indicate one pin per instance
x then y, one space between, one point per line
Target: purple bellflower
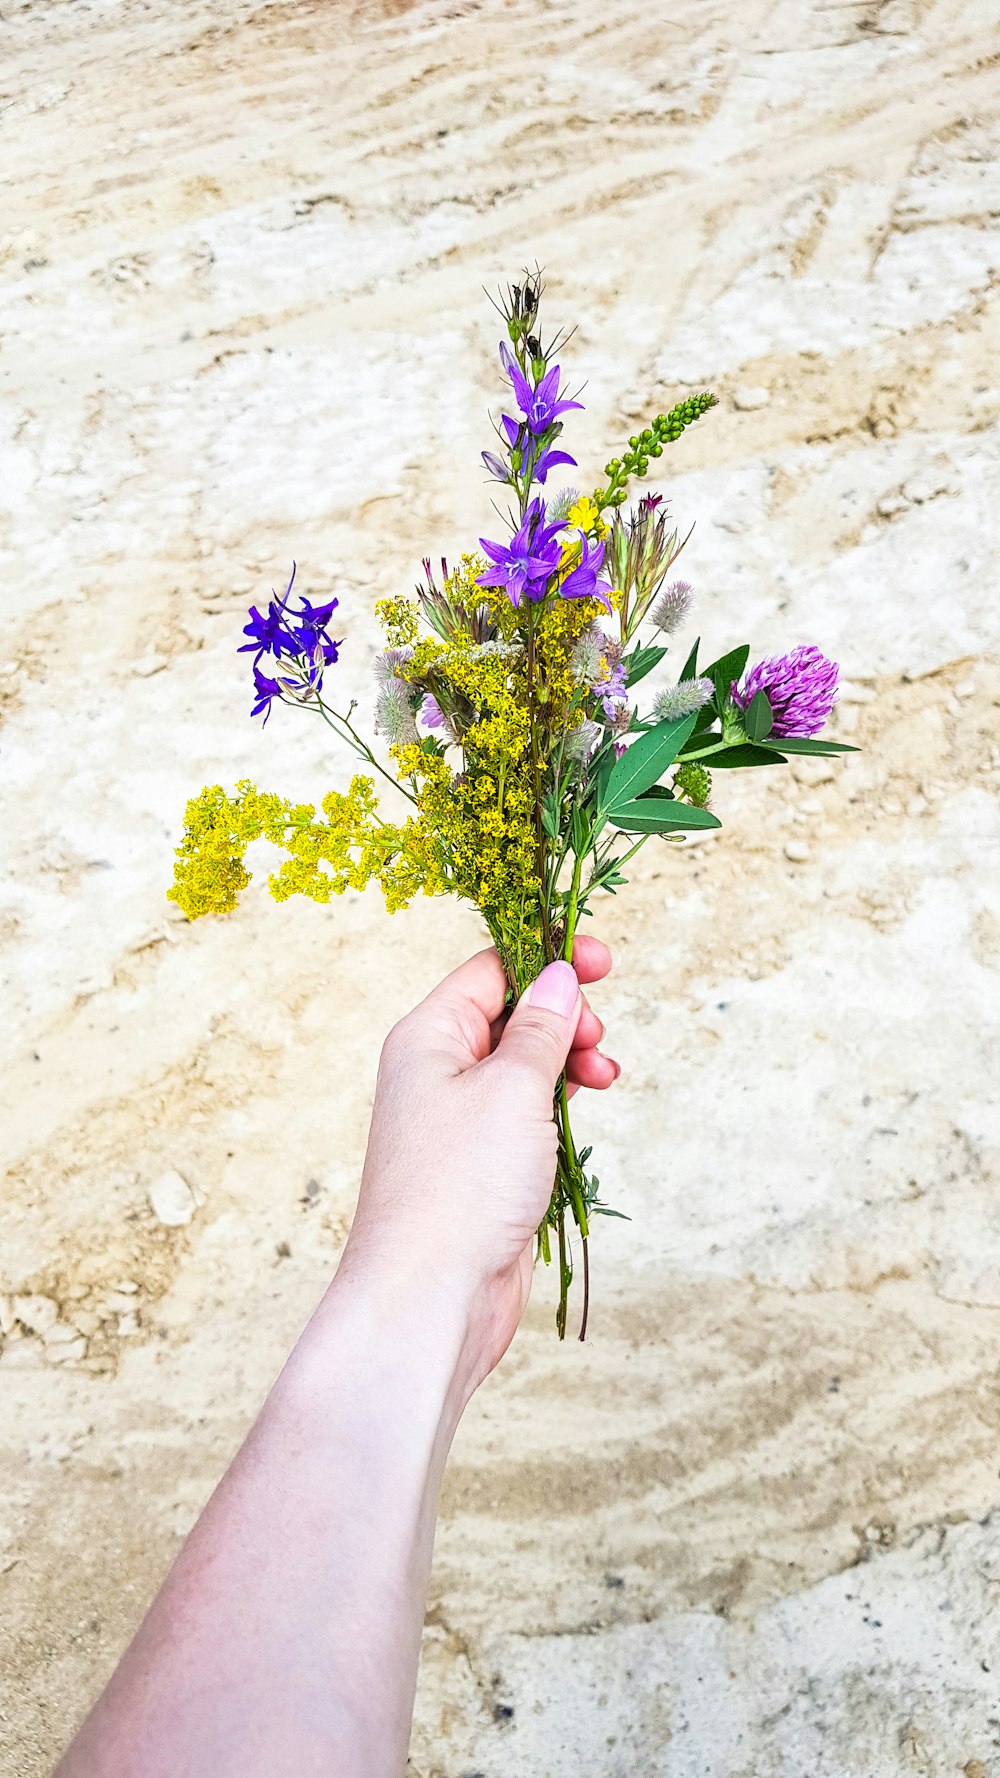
801 689
550 459
525 565
541 405
582 581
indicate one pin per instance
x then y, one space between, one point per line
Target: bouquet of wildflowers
506 702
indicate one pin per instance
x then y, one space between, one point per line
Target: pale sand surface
746 1531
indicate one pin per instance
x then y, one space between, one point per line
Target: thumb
540 1030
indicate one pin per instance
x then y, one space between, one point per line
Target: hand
462 1152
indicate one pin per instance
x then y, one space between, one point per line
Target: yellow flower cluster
586 515
346 850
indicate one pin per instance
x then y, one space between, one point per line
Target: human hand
462 1153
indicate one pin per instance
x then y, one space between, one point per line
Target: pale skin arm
286 1637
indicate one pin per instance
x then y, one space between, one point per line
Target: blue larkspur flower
265 692
300 637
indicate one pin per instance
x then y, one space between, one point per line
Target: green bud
656 450
695 782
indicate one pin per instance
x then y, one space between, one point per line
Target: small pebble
20 1354
127 1326
171 1200
36 1313
891 504
59 1334
749 399
967 689
797 852
148 665
117 1304
67 1352
919 488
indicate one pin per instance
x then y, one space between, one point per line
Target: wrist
404 1333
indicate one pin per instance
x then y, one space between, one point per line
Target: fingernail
556 989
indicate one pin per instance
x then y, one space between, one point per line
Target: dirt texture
752 1528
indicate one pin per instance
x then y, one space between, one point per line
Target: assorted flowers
530 766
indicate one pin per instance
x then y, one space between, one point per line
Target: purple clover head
801 688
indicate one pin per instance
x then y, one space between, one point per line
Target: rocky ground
752 1528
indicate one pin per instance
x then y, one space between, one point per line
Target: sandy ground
752 1528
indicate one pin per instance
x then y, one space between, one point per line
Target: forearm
287 1635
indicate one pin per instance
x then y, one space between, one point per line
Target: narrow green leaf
645 761
690 667
759 718
805 744
743 753
653 814
642 661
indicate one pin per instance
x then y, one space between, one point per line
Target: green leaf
655 814
723 672
642 661
645 761
690 668
804 744
759 718
743 753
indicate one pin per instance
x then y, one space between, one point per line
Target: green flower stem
353 739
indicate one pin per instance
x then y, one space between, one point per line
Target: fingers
591 959
589 1031
588 1068
541 1028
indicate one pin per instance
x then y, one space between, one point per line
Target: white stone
36 1313
127 1326
67 1352
748 399
927 486
59 1334
171 1200
117 1303
797 852
86 1321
